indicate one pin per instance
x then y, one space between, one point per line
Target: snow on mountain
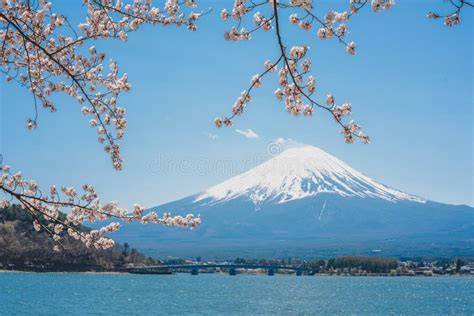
298 173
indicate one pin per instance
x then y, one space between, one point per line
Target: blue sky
410 85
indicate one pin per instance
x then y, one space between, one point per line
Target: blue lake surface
221 294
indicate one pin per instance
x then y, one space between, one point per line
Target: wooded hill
22 248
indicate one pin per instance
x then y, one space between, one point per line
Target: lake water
88 294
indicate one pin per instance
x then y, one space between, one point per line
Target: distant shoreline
242 273
63 272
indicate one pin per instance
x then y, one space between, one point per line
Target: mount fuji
300 173
306 202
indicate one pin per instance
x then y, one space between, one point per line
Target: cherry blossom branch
349 130
453 18
38 53
245 96
81 208
294 66
78 84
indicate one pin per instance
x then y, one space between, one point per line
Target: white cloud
285 143
248 133
212 136
281 144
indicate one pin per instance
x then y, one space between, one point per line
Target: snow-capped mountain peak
298 173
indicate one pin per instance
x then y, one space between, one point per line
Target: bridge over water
231 268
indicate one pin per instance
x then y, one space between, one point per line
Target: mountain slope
305 201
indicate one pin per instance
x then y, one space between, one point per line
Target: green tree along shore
22 248
370 264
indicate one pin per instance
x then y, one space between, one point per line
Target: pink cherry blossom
81 208
48 59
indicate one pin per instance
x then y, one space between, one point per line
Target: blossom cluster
292 88
81 207
112 18
379 5
42 52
